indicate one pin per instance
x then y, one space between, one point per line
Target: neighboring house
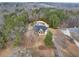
40 27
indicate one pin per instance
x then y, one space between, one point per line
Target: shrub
53 16
3 40
11 21
17 39
48 40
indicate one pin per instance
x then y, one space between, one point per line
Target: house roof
40 25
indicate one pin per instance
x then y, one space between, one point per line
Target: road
64 46
58 42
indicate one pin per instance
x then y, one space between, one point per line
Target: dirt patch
5 52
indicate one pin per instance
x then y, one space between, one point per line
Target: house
41 27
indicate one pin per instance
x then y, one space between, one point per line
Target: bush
53 16
54 21
3 40
11 21
17 39
48 40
